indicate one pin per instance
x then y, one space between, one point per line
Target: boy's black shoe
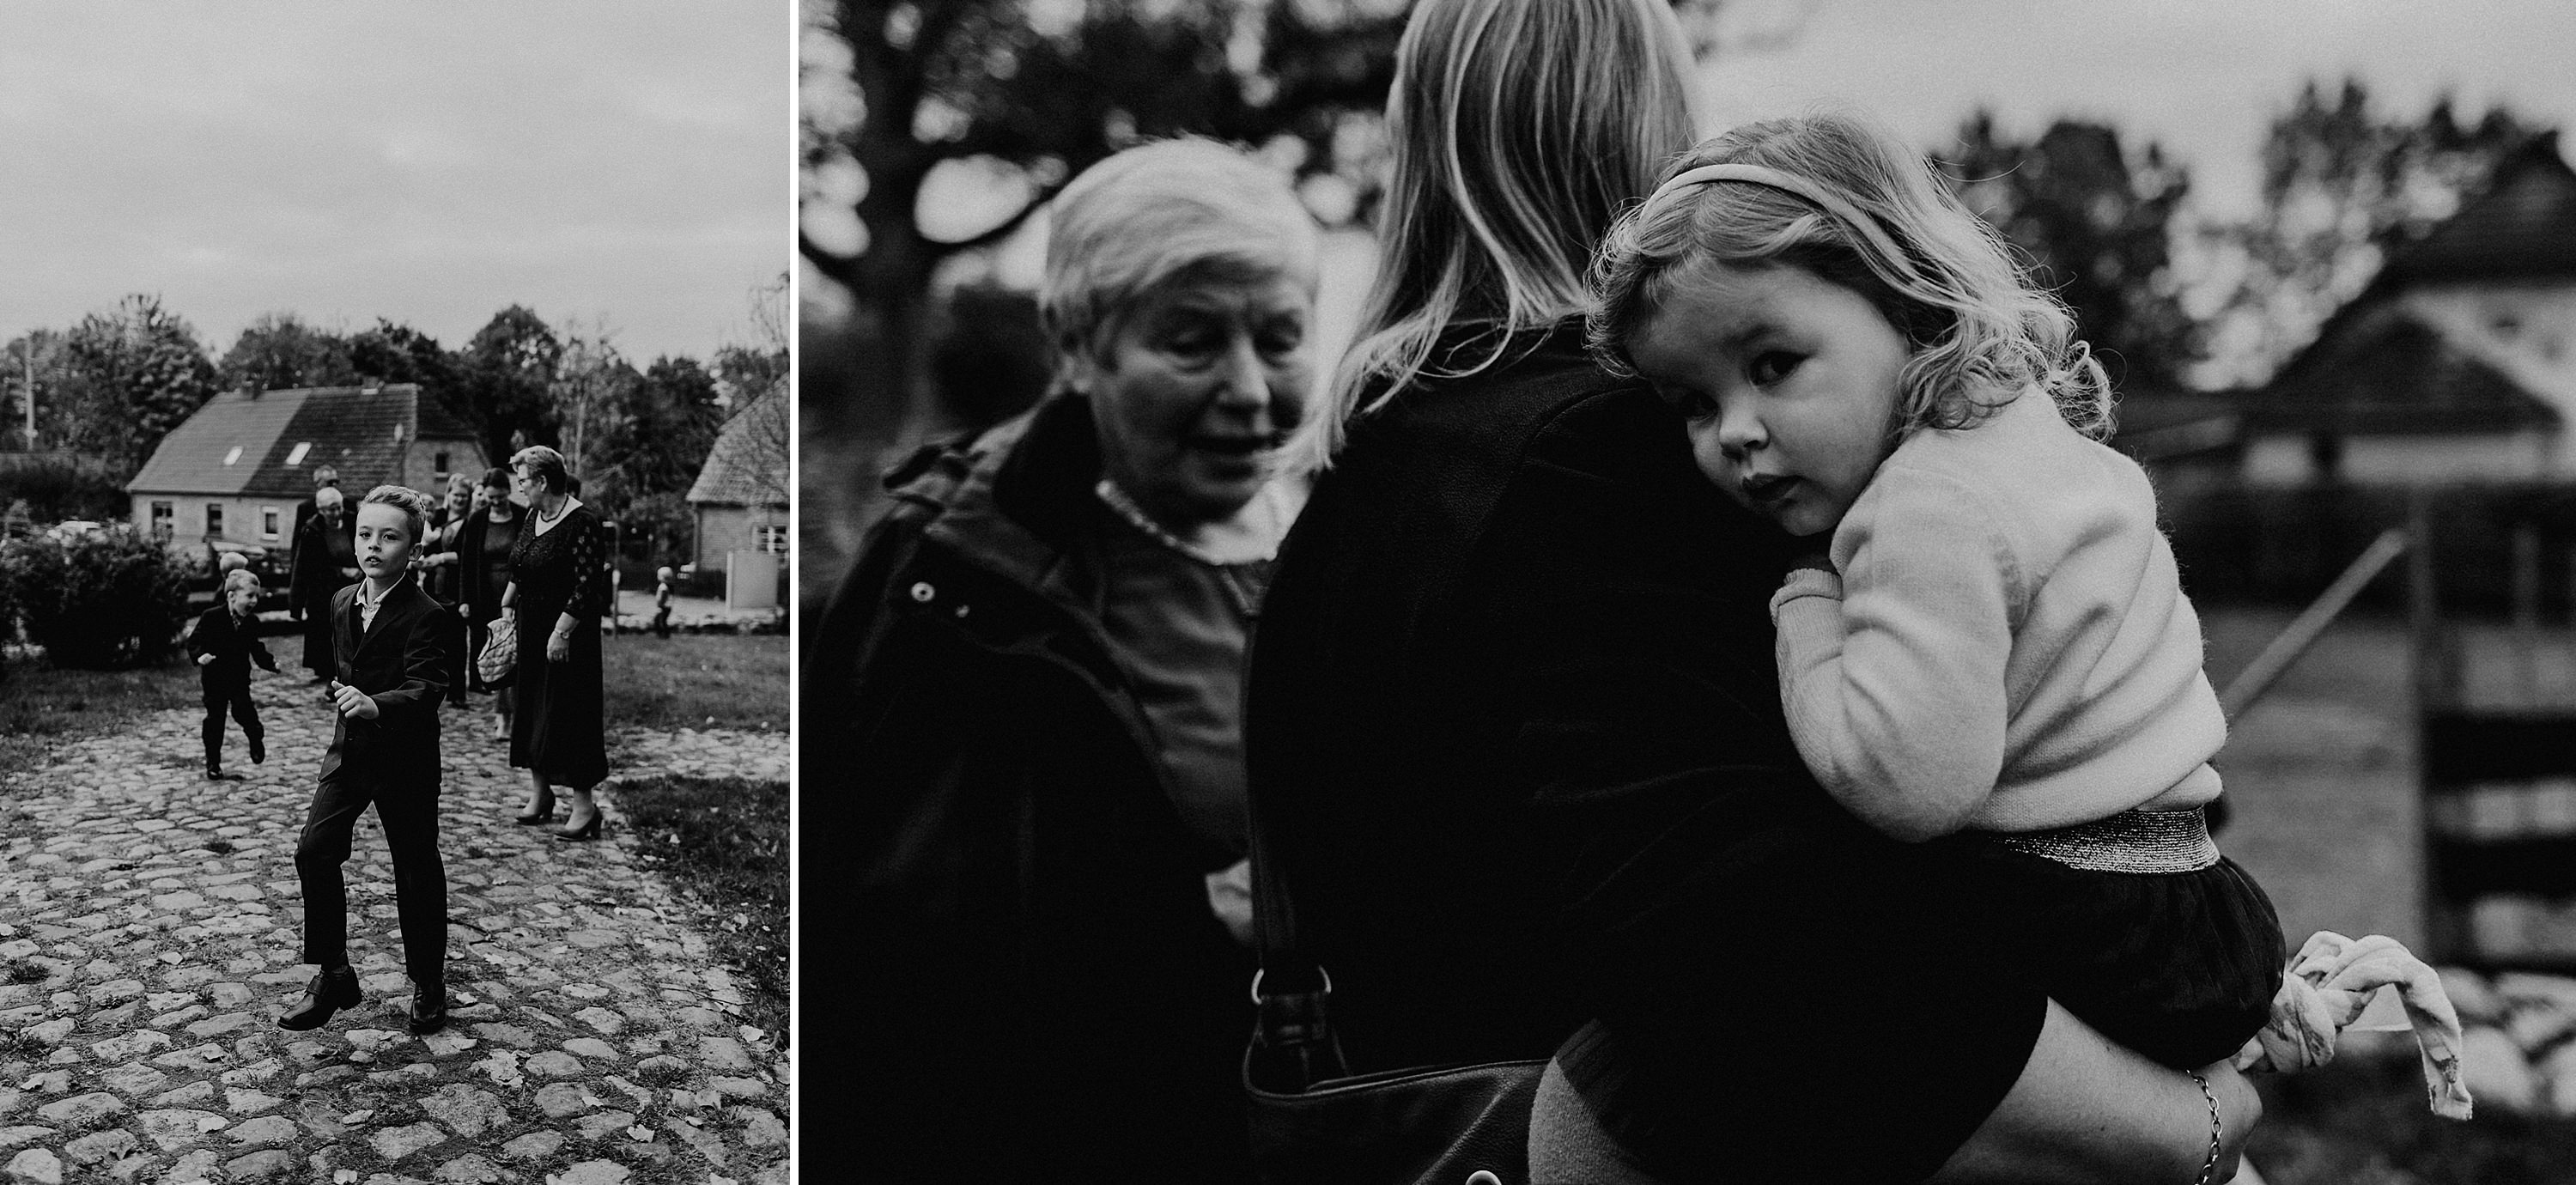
330 991
428 1006
258 751
214 771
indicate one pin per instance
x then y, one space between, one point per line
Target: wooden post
2526 614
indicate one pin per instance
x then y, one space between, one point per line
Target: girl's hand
352 702
558 647
205 659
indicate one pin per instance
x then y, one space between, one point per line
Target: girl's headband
1795 186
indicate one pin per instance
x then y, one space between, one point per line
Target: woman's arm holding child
1892 674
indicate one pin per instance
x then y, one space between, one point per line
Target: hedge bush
106 600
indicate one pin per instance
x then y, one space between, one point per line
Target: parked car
205 568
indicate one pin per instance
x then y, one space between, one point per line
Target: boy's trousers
410 818
238 699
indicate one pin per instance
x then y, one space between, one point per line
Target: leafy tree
111 599
135 373
278 351
2096 222
2342 186
392 353
670 425
590 398
502 379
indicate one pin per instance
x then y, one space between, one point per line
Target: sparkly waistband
2131 841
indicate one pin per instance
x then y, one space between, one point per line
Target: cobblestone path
148 938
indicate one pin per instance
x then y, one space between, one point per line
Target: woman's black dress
560 728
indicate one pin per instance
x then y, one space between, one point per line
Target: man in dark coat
224 643
324 562
390 666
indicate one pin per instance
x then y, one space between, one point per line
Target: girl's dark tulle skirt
2179 966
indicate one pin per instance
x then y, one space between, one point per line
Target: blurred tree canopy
2342 185
2096 222
279 352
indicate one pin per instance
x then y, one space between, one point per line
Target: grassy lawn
696 680
724 842
41 707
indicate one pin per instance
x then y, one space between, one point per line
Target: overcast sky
2202 77
431 163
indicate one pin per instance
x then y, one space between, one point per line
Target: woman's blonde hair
1138 219
1519 127
1978 329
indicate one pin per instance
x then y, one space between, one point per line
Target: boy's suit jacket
400 661
234 646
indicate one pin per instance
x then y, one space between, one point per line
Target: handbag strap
1293 1043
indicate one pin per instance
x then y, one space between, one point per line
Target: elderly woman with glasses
557 593
1031 812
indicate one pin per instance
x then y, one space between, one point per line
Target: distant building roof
2392 375
748 465
267 444
2523 225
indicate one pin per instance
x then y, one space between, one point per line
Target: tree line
107 389
1022 97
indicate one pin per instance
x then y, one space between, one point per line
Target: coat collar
1019 505
396 600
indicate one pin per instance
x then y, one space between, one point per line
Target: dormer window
296 457
232 456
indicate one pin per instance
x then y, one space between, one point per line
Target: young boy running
224 643
389 663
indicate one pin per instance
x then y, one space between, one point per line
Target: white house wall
242 518
2414 460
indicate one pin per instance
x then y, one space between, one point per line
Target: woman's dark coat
1036 988
1514 733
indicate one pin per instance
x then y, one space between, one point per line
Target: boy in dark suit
390 660
224 643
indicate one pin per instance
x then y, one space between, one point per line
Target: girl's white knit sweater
2007 646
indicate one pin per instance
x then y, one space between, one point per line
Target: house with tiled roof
2457 362
236 469
740 495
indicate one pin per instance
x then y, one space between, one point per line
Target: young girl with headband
1993 650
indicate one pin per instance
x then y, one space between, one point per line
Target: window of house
161 514
438 462
773 538
214 518
268 522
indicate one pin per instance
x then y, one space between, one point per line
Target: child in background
224 643
389 667
662 602
1995 645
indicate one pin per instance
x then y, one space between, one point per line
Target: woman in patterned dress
557 593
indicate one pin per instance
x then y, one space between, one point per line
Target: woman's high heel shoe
544 816
589 830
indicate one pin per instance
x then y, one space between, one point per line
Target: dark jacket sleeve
259 652
589 599
1752 941
200 635
300 583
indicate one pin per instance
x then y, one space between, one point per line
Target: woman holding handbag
1033 804
1517 765
483 563
558 592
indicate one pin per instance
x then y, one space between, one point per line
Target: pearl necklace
1116 499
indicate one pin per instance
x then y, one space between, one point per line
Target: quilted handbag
500 655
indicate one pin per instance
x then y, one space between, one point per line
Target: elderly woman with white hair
1031 817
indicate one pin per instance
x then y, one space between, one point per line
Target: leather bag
1316 1123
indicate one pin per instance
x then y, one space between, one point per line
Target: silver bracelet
2208 1168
